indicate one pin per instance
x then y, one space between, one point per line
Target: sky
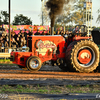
32 9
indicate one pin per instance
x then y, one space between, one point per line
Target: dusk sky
32 9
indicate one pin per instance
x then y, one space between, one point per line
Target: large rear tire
82 56
33 63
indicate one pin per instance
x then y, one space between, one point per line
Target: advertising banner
17 28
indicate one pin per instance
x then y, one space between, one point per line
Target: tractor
73 52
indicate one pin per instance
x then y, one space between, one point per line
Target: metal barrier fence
4 52
6 49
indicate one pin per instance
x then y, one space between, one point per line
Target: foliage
50 89
5 62
22 20
4 17
98 19
78 13
44 14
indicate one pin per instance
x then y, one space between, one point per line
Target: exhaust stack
52 30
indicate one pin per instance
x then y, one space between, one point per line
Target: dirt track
46 72
26 75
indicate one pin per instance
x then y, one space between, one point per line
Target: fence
4 52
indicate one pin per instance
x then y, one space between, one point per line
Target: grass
69 86
50 89
5 61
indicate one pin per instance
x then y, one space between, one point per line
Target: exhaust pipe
52 30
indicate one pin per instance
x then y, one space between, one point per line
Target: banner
27 27
17 28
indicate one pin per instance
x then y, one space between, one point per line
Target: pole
88 20
91 16
9 28
42 12
83 16
86 13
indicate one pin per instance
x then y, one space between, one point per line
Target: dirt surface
43 68
19 76
48 75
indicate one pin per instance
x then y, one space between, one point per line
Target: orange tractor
74 52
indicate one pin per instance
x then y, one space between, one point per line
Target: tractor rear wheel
82 56
33 63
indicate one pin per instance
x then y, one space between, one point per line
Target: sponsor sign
43 46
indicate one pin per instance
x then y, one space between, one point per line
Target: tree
78 16
44 15
98 19
75 14
22 20
79 12
4 17
0 21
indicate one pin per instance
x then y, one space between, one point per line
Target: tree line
18 19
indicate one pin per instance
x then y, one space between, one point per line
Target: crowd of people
20 39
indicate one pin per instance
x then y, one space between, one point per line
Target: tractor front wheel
33 63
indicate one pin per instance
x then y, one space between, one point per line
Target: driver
77 29
80 30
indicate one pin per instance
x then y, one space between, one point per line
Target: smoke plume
55 7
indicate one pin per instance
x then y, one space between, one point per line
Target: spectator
7 34
58 32
23 42
66 32
48 33
7 42
4 33
44 32
37 33
4 38
18 41
2 45
20 33
62 32
13 35
25 34
19 36
14 43
30 33
13 32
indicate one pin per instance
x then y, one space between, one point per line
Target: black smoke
55 7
